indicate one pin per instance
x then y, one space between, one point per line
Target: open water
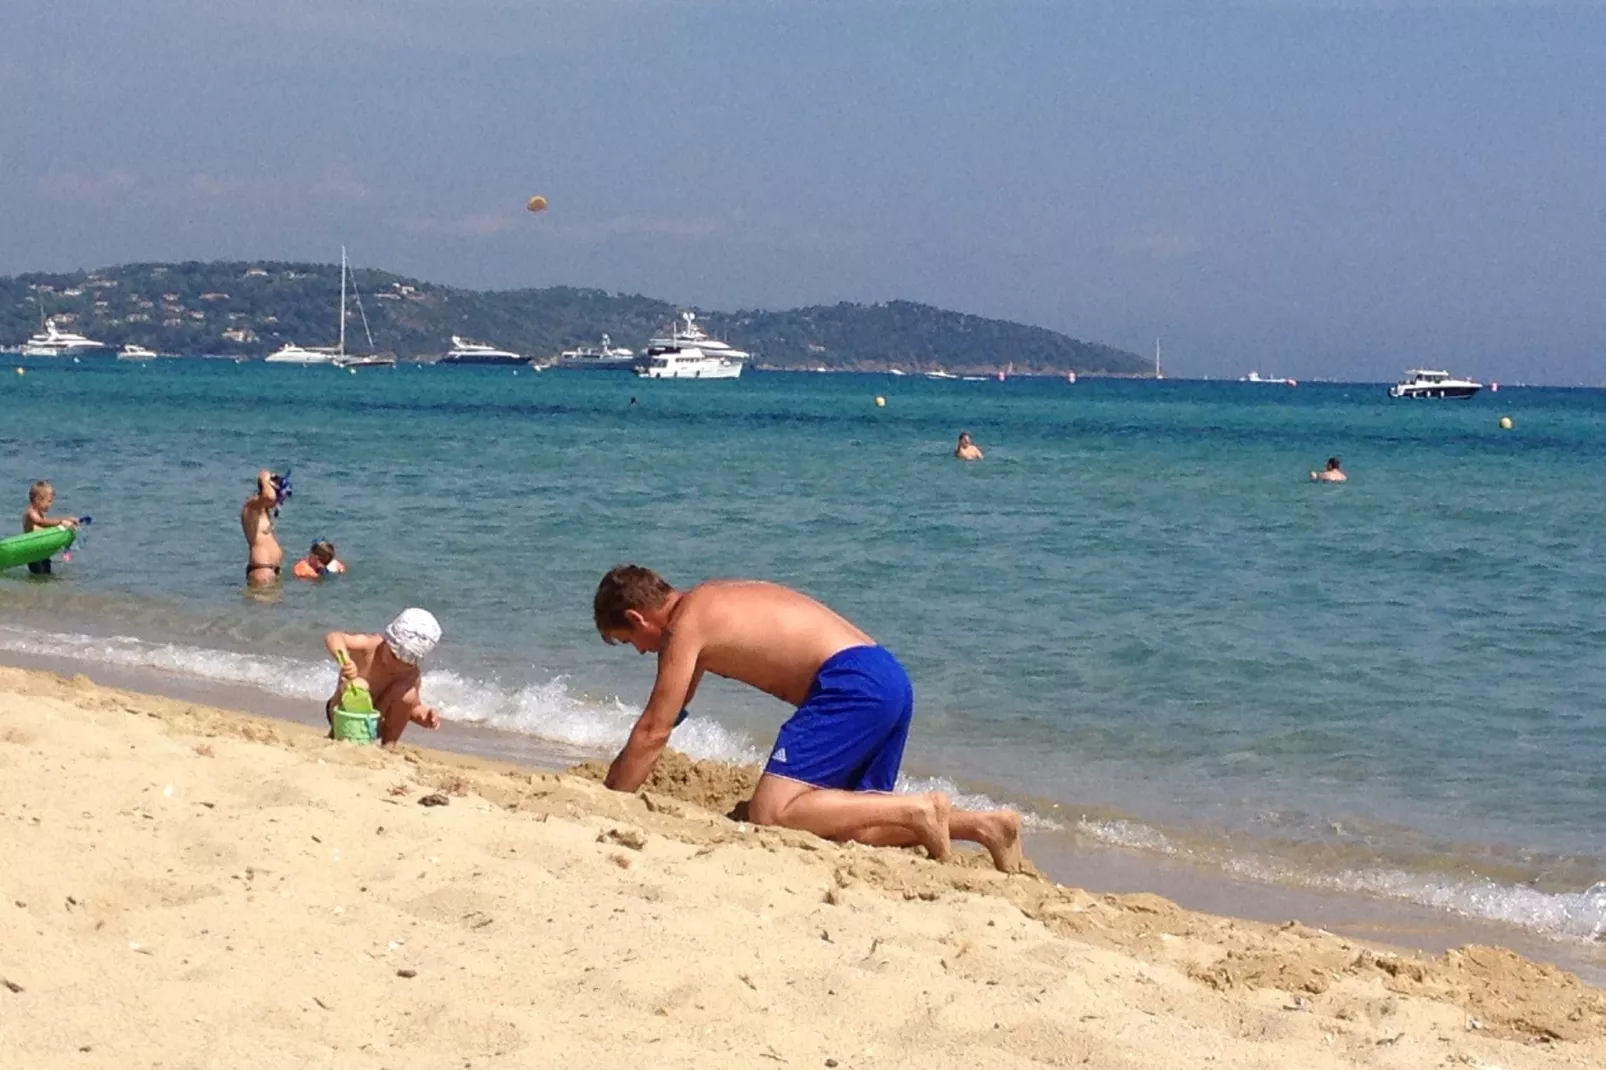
1136 618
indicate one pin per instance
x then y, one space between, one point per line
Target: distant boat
367 360
54 342
1421 383
1256 377
465 352
1157 374
606 357
689 353
940 374
135 352
290 353
1070 377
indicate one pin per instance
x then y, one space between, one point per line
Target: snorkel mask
281 489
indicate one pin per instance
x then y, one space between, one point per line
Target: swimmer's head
964 438
323 552
41 494
1332 464
412 635
624 606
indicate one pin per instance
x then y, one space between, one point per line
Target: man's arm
677 678
267 495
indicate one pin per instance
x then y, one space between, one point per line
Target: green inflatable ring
34 546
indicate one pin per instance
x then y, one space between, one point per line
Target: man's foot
932 824
999 832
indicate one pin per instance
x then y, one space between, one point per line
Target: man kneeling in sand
389 663
835 761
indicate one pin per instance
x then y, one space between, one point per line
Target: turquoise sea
1136 618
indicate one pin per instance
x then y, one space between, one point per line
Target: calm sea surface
1136 618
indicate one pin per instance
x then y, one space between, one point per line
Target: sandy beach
182 886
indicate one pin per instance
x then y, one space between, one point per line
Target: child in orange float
319 562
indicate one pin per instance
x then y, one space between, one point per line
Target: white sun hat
413 634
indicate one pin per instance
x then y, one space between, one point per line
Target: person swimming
1331 474
967 450
319 562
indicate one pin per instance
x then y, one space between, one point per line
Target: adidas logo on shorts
779 755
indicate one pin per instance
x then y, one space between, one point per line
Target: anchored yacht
689 353
1256 377
466 352
290 353
607 357
1421 383
136 352
54 342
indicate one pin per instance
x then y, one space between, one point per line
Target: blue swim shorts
850 731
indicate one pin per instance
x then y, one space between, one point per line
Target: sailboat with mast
1157 372
291 353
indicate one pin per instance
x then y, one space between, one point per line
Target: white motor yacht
1256 377
689 353
606 357
290 353
466 352
136 352
54 342
1422 383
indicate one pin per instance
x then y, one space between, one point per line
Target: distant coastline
248 309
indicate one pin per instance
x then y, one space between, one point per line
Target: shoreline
1067 855
189 884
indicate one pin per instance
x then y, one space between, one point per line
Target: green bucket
355 727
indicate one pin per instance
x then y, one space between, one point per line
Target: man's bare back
762 634
834 766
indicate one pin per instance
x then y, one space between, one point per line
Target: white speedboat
464 351
606 357
1256 377
136 352
689 353
941 374
1422 383
54 342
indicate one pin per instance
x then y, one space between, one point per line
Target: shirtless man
1331 474
835 761
967 450
390 665
264 555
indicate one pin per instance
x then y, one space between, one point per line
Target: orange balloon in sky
537 204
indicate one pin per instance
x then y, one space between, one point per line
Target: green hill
250 309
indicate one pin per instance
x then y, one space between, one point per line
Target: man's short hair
627 587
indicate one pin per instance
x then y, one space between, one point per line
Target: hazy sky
1306 188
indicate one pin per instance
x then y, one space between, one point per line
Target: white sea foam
1562 915
275 675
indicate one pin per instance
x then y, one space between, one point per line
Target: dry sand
182 886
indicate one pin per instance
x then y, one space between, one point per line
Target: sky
1305 188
